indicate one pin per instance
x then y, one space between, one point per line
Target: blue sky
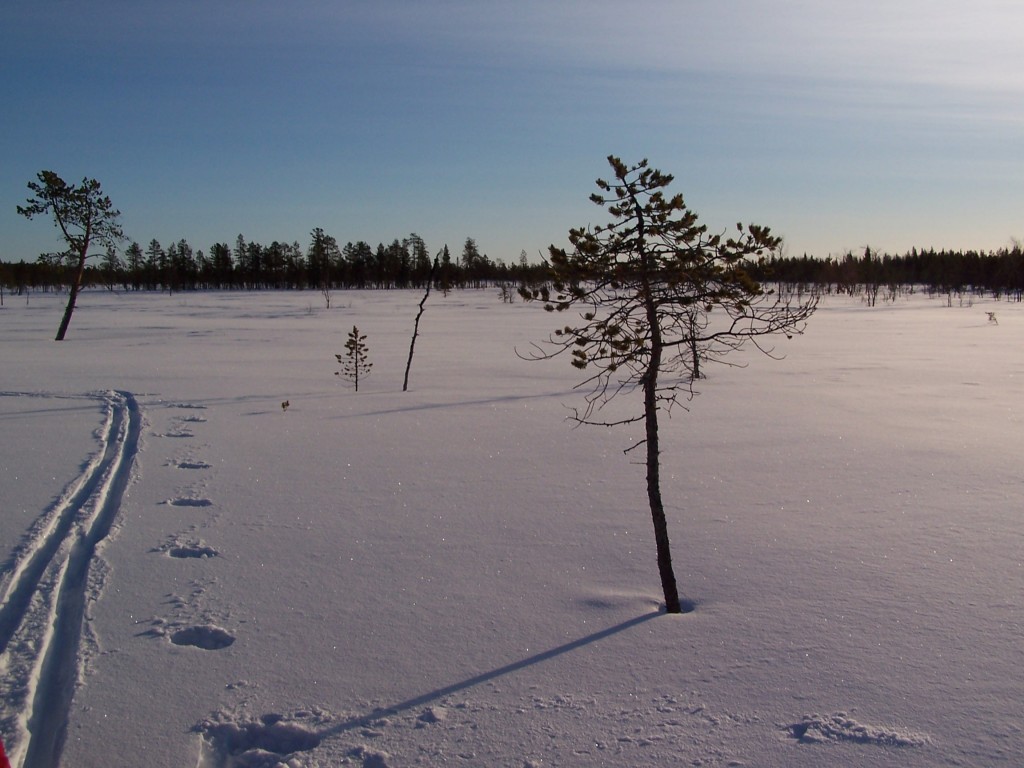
839 125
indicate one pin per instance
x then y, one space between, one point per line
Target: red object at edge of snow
4 763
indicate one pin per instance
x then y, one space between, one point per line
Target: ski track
44 596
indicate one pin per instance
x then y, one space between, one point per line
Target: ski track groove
43 601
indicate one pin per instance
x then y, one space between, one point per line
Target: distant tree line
248 265
407 263
997 273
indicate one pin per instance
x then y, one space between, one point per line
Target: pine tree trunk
694 348
68 310
668 578
72 298
650 382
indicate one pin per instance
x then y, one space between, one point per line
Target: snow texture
191 575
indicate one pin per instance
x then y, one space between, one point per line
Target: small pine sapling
354 363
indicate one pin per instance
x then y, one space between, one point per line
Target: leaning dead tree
416 325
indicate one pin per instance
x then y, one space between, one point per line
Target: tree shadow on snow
496 400
440 693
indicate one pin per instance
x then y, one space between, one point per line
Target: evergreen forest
324 266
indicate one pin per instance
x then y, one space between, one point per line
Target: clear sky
889 124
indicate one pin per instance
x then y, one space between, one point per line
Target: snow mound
433 715
372 758
816 729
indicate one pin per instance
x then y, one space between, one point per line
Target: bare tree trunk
416 326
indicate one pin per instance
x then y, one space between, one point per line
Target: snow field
455 575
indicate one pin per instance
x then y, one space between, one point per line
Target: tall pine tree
644 286
84 216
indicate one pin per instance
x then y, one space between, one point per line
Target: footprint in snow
189 502
192 465
252 742
205 636
177 547
176 433
190 551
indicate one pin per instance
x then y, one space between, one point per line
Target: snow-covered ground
455 576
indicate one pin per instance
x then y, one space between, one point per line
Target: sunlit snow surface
454 575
